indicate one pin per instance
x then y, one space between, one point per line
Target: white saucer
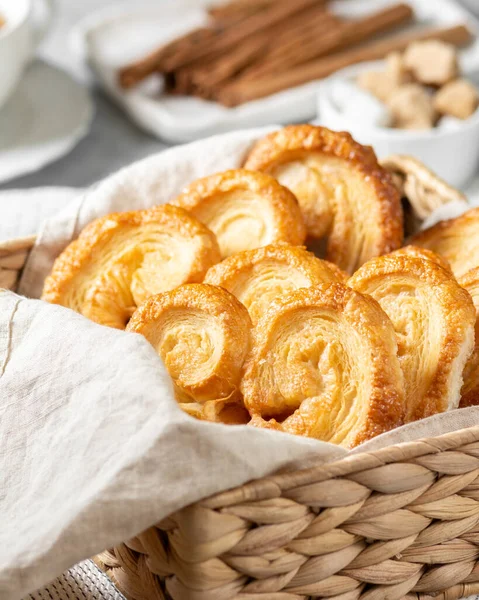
45 118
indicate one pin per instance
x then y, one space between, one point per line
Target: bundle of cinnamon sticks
254 48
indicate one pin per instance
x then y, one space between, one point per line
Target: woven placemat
84 581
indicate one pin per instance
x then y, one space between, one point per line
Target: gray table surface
113 140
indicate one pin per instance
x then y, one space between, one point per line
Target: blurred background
82 138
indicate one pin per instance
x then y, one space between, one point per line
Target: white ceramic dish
45 118
19 38
453 153
114 37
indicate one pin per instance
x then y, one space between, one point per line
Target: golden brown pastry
470 389
423 253
245 210
257 277
120 260
457 240
230 411
202 334
323 364
434 322
343 191
424 190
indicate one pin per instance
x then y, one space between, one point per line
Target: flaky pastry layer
323 364
244 209
470 389
202 334
228 412
343 191
258 277
434 322
424 253
457 240
118 261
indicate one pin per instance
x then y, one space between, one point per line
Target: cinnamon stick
240 91
292 42
194 77
238 9
132 74
230 65
315 20
311 24
264 22
184 78
223 16
348 34
207 43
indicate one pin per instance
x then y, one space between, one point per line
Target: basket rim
273 485
17 244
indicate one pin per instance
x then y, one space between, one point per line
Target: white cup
19 38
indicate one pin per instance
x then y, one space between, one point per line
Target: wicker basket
401 522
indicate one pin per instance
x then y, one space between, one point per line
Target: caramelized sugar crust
245 210
456 240
323 364
470 390
425 254
343 191
202 334
118 261
434 322
258 277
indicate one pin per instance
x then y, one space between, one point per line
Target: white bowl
453 153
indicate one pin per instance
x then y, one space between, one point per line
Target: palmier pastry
343 191
257 277
423 253
202 334
470 388
323 364
457 240
245 210
434 322
121 259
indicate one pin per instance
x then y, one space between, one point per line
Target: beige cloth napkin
94 448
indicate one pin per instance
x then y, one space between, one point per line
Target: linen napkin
94 448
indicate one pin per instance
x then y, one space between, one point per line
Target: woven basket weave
401 522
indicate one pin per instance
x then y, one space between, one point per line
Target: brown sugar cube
458 99
377 83
418 123
396 69
412 107
382 84
431 62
